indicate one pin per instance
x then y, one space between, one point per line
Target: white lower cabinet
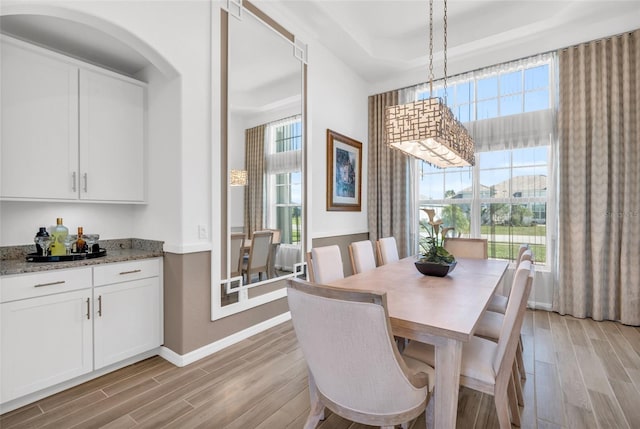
62 324
45 341
128 320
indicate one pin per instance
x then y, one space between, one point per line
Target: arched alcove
82 35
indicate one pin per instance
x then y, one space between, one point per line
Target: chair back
327 264
236 253
345 336
523 248
276 235
387 250
259 252
513 317
474 248
362 256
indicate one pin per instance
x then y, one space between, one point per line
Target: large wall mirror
264 141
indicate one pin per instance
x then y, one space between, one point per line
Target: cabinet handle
100 305
49 284
130 272
73 182
84 176
88 309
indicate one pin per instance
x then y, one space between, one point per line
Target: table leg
448 359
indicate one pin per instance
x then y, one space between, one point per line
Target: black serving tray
34 257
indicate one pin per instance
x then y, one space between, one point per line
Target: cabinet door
45 341
39 126
111 138
128 320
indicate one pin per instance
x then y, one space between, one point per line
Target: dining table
442 311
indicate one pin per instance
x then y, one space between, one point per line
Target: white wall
337 101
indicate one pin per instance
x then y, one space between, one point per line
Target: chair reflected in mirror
259 252
236 253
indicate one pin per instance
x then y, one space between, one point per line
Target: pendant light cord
445 52
431 50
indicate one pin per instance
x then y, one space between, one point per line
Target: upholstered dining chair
355 369
475 248
486 365
498 302
259 252
362 256
387 250
324 264
236 253
490 325
275 245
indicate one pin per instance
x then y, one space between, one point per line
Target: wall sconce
238 178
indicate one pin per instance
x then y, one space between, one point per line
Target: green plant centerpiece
433 258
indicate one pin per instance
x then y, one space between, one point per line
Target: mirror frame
299 51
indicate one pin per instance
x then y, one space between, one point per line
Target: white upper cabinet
69 130
111 138
39 125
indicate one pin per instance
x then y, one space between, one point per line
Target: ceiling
385 41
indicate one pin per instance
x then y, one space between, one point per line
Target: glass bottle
58 235
81 244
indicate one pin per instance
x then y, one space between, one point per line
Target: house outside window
505 197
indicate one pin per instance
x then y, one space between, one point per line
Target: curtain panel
388 182
599 213
254 191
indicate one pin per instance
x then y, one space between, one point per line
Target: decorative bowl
434 268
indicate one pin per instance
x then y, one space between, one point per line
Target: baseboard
209 349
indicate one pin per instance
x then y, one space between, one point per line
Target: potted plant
433 258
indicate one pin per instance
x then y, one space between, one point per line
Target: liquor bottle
58 235
81 244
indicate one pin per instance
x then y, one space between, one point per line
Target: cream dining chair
259 252
474 248
324 264
362 256
490 325
236 253
499 302
387 250
355 368
486 365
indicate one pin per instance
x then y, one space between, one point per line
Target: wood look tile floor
580 374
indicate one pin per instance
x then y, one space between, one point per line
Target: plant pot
434 268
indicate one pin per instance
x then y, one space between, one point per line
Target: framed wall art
344 173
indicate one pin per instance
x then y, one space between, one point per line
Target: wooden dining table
442 311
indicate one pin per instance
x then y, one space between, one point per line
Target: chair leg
520 360
317 408
515 376
502 410
513 403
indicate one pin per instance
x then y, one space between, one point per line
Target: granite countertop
13 258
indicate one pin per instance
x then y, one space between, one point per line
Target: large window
504 197
284 179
